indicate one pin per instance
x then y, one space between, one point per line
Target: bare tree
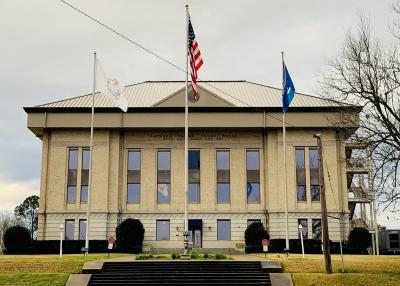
367 73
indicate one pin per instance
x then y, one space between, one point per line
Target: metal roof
239 93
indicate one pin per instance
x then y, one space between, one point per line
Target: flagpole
90 158
284 163
186 135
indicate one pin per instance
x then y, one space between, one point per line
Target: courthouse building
235 164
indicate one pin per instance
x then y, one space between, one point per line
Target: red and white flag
195 60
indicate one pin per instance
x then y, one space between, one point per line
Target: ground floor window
316 229
162 229
69 229
304 223
82 229
224 229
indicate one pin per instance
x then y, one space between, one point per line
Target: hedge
311 246
69 247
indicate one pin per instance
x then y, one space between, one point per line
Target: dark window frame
305 225
79 233
249 177
157 229
193 178
85 173
299 186
134 177
72 176
73 229
313 228
221 181
314 188
218 229
162 182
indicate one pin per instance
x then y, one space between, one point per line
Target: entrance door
196 229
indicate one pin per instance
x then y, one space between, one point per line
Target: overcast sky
46 54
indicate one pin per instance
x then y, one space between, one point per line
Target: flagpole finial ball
187 5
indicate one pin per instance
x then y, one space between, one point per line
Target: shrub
220 256
130 235
194 255
205 255
359 240
253 236
17 239
143 256
175 255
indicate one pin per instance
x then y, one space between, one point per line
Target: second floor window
314 177
85 175
253 176
163 176
72 179
133 187
223 176
300 175
194 176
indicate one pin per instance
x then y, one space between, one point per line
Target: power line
162 58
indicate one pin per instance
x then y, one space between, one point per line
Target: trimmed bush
130 235
17 239
220 256
253 236
194 255
175 256
205 255
359 240
143 256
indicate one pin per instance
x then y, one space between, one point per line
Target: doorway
195 227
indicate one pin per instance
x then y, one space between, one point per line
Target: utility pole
324 214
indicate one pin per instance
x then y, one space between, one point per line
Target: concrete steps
181 273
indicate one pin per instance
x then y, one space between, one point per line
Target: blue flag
288 89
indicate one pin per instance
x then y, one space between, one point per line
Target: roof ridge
310 95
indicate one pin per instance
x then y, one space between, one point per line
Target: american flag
195 60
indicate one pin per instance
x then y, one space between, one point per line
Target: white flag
110 87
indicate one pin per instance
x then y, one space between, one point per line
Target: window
223 229
133 177
82 229
300 175
72 175
253 176
69 229
394 240
194 176
316 229
85 175
250 221
314 178
163 176
162 229
223 176
304 223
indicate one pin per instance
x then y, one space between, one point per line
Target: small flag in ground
288 89
195 60
110 87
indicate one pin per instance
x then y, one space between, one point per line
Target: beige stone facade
237 131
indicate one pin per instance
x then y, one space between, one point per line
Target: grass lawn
383 270
43 270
